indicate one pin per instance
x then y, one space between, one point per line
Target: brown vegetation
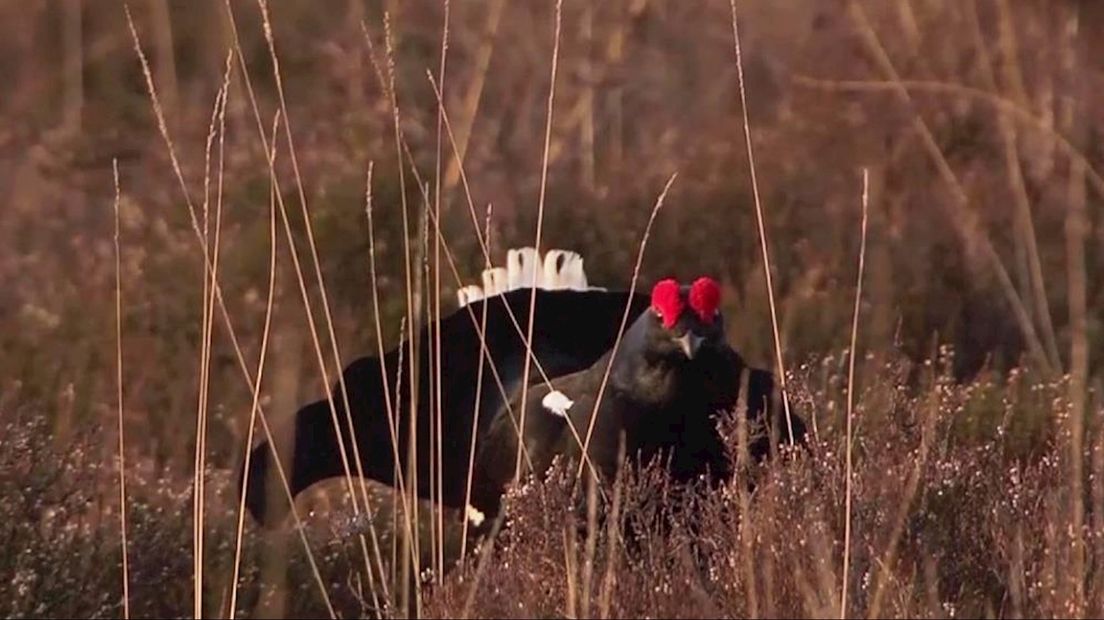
978 443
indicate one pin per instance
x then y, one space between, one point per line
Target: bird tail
560 269
311 456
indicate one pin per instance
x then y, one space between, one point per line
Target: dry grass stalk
412 311
851 395
484 245
260 376
540 225
440 521
624 323
399 489
759 220
193 218
277 76
119 394
279 196
478 400
423 283
201 238
459 282
206 330
481 239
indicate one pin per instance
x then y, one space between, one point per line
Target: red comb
705 296
666 301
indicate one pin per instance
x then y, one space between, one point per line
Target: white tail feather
550 274
468 294
494 281
560 269
521 266
569 274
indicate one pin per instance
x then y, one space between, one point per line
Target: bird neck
642 376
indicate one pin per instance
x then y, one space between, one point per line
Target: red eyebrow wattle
667 301
705 297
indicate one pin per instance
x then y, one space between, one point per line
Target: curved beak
690 343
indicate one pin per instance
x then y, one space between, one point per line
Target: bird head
683 319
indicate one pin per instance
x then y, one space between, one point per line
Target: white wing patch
474 515
557 403
560 269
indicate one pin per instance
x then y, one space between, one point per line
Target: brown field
977 420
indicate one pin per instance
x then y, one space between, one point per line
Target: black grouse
672 375
574 324
574 328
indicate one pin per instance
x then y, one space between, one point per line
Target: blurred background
978 120
980 334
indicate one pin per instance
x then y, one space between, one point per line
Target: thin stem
270 39
260 375
624 320
483 355
202 241
400 486
540 224
199 493
411 311
440 522
759 219
851 394
119 395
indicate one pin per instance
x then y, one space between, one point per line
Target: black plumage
571 329
669 381
573 332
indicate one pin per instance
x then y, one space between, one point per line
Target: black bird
672 375
574 327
